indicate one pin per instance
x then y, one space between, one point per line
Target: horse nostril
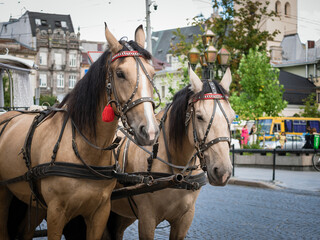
215 171
143 131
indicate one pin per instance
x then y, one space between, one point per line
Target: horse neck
179 156
105 133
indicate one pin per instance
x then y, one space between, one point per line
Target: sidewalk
262 177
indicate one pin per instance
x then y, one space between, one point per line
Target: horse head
130 86
211 116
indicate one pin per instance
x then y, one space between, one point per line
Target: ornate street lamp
223 58
207 37
194 57
209 56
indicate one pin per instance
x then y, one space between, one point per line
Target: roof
15 46
296 88
161 40
294 52
8 61
49 21
159 65
93 56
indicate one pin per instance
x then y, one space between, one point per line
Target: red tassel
108 114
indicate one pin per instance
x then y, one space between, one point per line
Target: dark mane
83 101
178 112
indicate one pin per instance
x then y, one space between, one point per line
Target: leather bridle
122 110
202 145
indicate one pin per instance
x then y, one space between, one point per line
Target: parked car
293 142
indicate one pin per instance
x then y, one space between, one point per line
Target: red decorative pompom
108 114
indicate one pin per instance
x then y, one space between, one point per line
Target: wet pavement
288 208
239 212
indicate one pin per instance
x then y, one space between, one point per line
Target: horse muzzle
219 176
145 135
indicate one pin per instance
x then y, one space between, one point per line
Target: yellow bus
290 125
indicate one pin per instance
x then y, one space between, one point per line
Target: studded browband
126 54
209 96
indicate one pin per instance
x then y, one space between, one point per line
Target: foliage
261 92
48 100
238 29
311 106
6 89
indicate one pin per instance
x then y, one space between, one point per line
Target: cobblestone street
237 212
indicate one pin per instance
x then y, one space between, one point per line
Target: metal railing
274 152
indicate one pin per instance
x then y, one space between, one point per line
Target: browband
209 96
126 54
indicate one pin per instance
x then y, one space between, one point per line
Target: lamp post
208 58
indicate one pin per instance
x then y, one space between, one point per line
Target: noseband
202 145
122 110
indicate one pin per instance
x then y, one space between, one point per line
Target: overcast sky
123 16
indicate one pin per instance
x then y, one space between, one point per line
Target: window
72 81
58 59
37 21
278 7
299 126
64 24
43 58
287 9
72 60
57 23
44 22
42 80
60 80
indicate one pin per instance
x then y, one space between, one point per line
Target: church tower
286 23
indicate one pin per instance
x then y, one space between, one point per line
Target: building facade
57 45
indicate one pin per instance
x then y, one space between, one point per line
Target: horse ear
196 83
140 36
226 80
114 45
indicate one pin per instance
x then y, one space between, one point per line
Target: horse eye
120 74
199 117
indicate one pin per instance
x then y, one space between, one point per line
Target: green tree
6 89
261 92
47 100
311 106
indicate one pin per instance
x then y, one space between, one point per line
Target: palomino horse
59 152
207 115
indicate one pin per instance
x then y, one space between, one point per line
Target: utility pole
148 26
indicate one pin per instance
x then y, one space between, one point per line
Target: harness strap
158 158
76 152
161 181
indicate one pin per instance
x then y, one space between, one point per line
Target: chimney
310 44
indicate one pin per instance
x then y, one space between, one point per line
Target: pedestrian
282 139
244 136
253 135
309 138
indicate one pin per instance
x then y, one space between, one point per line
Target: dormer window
64 24
38 21
44 22
58 24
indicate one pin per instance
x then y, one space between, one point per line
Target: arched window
278 7
287 9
